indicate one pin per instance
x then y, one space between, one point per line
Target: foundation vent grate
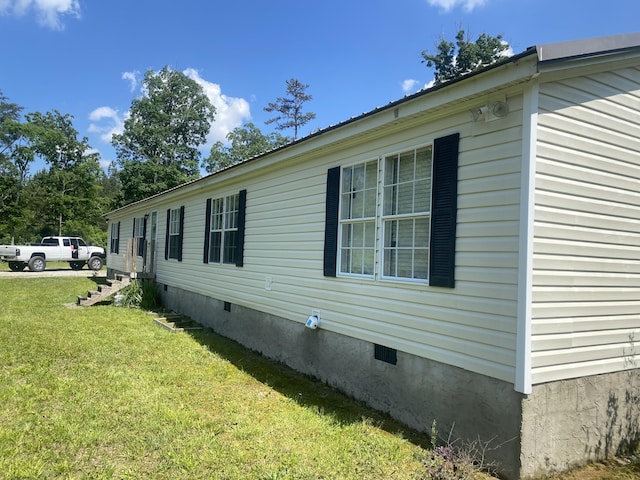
386 354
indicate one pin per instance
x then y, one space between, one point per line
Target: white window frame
355 214
174 233
387 219
224 222
115 238
138 234
381 221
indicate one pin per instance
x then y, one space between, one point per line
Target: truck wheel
16 266
37 264
76 265
95 263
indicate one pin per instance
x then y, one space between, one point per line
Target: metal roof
587 47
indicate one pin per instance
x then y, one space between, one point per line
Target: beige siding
586 278
472 326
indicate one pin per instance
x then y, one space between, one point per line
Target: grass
103 393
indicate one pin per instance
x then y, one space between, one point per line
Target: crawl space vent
386 354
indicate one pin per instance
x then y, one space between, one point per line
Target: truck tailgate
8 251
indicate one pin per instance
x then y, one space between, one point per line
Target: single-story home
469 253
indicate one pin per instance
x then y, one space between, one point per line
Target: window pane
358 178
390 200
423 163
370 203
404 199
215 243
370 235
345 212
405 233
422 198
369 255
404 264
356 261
422 232
345 260
421 263
405 173
346 180
372 175
391 170
358 235
357 204
230 246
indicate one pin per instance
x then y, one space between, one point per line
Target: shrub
140 294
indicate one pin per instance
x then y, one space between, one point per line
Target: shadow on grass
304 389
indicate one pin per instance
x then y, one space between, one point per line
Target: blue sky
86 58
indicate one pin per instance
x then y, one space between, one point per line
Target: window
139 227
174 234
223 231
115 238
406 197
400 210
406 214
358 200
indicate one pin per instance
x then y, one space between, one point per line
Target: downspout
523 378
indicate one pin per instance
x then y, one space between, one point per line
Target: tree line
158 149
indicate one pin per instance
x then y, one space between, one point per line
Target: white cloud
231 112
105 121
132 78
448 5
409 84
49 13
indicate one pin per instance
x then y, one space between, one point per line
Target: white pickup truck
61 249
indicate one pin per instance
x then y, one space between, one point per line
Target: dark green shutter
133 236
207 233
166 237
331 222
117 245
444 206
242 207
181 236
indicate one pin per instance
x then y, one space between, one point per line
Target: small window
115 238
174 234
138 235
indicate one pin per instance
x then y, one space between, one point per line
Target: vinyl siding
586 265
472 326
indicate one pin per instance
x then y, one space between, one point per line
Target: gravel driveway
54 272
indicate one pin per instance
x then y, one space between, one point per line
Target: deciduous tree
245 142
158 148
454 59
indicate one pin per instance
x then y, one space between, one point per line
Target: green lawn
102 392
